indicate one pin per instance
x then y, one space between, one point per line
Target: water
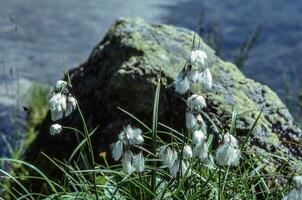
39 37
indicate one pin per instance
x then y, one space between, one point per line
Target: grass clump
159 162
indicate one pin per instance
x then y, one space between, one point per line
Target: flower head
198 57
127 163
130 136
174 169
55 129
228 154
298 182
191 121
196 101
139 162
187 152
167 155
201 150
60 86
57 106
181 84
117 150
71 105
198 137
207 79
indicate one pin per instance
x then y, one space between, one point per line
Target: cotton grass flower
60 86
55 129
174 169
181 83
130 136
57 106
71 105
228 154
196 102
198 137
167 155
207 79
117 150
187 152
198 57
139 162
296 193
191 121
127 163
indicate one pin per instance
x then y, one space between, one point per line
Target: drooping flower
187 152
117 150
191 121
198 137
228 154
198 57
200 150
207 79
194 76
130 136
167 155
55 129
60 86
127 163
181 83
71 105
174 169
139 162
57 106
296 193
196 101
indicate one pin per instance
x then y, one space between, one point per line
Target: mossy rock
122 71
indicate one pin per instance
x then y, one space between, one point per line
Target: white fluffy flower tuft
196 101
201 150
198 137
187 152
167 155
228 154
130 136
207 79
298 182
117 150
181 84
127 163
71 105
60 86
194 76
55 129
174 169
139 162
191 121
198 57
57 106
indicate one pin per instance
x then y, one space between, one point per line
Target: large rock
123 70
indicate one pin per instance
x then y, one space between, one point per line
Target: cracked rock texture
122 71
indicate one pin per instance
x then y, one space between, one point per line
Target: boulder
123 70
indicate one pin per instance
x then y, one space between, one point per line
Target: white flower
127 163
174 168
57 106
187 152
181 84
55 129
139 162
194 76
167 155
298 182
198 57
71 105
201 150
117 150
191 121
294 194
228 138
131 136
228 154
198 137
60 86
207 79
196 101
